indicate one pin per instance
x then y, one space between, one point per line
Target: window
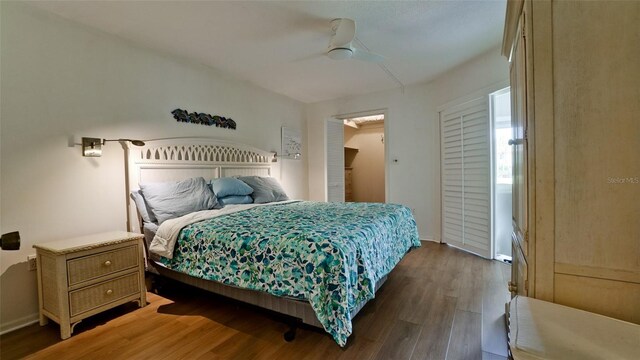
501 111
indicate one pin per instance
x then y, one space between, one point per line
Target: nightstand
83 276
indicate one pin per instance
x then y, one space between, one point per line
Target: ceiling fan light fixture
340 53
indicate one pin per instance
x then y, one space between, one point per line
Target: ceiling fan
341 43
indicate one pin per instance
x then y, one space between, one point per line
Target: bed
313 261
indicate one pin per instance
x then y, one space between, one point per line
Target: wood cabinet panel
617 299
581 103
519 284
597 133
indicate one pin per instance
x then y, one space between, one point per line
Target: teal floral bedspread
330 254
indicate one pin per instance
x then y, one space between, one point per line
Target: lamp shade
92 147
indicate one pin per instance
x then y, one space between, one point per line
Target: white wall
62 81
502 222
412 134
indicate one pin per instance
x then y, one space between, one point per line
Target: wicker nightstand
83 276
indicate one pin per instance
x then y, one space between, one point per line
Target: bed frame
175 159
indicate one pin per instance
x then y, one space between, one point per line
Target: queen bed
313 261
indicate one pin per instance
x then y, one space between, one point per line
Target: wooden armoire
575 85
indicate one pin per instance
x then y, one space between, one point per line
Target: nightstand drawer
93 266
101 294
83 276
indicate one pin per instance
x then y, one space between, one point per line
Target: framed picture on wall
291 143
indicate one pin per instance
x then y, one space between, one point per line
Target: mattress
544 330
330 254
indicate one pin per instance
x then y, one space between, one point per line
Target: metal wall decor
203 119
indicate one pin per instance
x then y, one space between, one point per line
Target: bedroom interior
74 74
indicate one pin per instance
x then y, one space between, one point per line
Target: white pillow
265 189
171 200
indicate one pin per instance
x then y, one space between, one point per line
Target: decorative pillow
227 200
172 200
149 230
224 187
143 209
265 189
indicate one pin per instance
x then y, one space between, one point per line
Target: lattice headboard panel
183 158
204 153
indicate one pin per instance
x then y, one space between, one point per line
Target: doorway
502 173
364 158
476 174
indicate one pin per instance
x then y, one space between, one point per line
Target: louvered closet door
335 160
466 176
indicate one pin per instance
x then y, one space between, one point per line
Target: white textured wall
412 135
60 80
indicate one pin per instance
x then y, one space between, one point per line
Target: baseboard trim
429 240
19 323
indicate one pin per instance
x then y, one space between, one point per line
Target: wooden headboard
182 158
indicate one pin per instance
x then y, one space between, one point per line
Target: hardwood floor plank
400 342
465 340
180 338
390 302
450 271
470 291
241 346
361 349
436 331
203 340
29 340
490 356
417 294
413 316
307 345
494 295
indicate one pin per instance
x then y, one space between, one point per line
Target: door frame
493 169
387 168
483 92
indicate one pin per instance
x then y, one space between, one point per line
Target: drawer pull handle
107 263
109 292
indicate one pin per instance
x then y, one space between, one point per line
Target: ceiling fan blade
344 32
367 56
340 53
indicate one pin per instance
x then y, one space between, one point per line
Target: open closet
364 162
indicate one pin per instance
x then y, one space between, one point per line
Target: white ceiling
279 45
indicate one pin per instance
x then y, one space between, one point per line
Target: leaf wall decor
203 119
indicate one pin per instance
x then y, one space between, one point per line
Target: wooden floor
430 308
